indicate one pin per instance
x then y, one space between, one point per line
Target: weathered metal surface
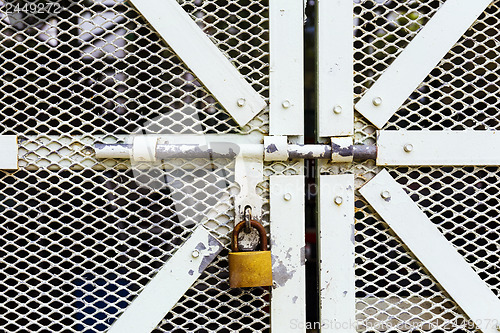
250 268
364 152
144 148
336 253
235 247
342 149
286 67
310 151
339 151
415 62
434 251
99 229
276 148
169 284
335 78
438 148
287 204
203 57
248 174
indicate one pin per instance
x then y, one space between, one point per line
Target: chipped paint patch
209 254
271 148
303 255
281 273
353 234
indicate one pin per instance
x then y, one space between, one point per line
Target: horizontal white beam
169 284
416 61
438 148
336 253
439 256
9 152
335 68
203 57
288 302
286 73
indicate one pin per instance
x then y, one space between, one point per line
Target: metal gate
146 126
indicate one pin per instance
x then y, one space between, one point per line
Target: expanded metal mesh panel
77 247
80 237
394 292
98 68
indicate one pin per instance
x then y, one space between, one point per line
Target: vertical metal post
335 68
286 77
336 253
288 303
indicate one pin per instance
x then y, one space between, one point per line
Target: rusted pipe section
364 152
117 150
333 152
309 151
218 150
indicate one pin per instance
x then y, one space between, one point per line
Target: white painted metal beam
203 57
335 68
288 303
286 73
440 258
416 61
9 152
336 253
169 284
438 148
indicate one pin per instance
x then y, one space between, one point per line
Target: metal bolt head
385 195
337 109
195 254
377 101
287 197
241 102
408 147
286 104
338 200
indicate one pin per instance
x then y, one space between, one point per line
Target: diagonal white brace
169 284
203 57
288 302
440 258
438 148
336 253
416 61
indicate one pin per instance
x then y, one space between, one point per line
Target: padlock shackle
260 228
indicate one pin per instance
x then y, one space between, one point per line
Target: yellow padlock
250 269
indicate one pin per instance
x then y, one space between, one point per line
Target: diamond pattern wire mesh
460 93
81 237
